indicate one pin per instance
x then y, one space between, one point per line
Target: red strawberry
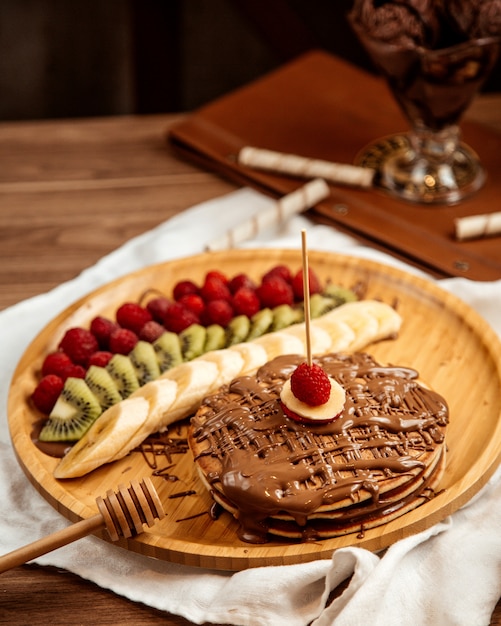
79 344
133 316
100 358
298 287
55 362
274 291
215 274
240 280
193 302
122 341
178 317
217 312
151 331
101 328
47 392
75 371
215 289
183 288
158 308
310 384
246 302
279 270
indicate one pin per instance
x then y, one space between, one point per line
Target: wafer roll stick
294 165
296 202
478 226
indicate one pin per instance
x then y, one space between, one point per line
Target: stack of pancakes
382 457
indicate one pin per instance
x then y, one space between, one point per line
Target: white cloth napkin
449 574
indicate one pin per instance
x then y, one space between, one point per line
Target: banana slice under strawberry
311 396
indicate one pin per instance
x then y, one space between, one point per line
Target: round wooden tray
451 346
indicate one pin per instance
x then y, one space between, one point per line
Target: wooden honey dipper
122 512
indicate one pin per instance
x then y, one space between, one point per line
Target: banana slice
160 394
195 379
341 335
388 318
229 362
253 354
319 337
279 343
364 326
109 433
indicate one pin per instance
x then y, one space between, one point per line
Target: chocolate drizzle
266 466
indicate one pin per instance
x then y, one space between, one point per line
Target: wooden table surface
70 192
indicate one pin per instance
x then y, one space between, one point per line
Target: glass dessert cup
430 164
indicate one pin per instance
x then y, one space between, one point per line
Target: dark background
73 58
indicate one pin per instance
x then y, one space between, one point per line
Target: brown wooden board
452 347
321 107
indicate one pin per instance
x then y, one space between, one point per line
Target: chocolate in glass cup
433 86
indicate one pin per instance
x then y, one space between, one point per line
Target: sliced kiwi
320 305
284 315
260 323
237 330
168 351
76 409
192 340
123 374
215 338
102 386
144 361
339 294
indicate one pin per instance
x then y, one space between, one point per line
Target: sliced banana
229 362
253 354
321 413
279 343
195 379
161 395
109 433
320 339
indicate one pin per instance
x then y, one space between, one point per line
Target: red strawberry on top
79 344
309 396
310 384
132 316
47 392
275 291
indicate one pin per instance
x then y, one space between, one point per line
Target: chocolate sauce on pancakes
382 457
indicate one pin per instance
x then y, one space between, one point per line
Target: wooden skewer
122 512
306 296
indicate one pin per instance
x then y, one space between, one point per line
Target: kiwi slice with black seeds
144 361
76 409
192 340
260 323
102 385
123 374
168 351
237 330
